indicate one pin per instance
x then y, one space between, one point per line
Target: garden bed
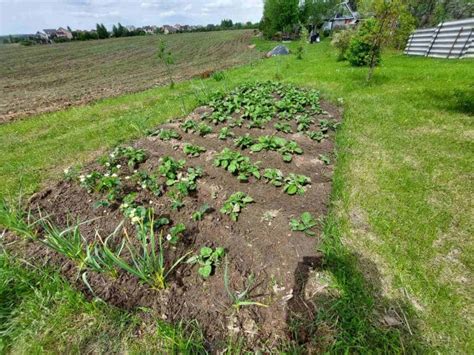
239 217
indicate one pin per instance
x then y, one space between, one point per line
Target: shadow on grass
352 316
459 100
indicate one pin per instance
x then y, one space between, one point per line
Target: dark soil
279 259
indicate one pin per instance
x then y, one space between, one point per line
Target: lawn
397 243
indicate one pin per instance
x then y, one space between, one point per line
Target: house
51 33
167 29
42 37
63 33
149 29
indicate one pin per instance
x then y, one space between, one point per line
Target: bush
362 45
341 41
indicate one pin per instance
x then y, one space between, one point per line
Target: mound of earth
266 262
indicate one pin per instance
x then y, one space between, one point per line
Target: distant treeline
119 30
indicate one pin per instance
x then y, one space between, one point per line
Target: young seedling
193 150
225 133
317 136
175 233
240 299
283 127
325 159
169 169
244 141
273 176
207 259
203 129
294 184
304 122
288 150
234 205
166 134
199 214
189 126
304 224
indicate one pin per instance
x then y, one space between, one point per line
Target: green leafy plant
148 182
237 164
199 214
166 134
327 125
225 133
132 155
166 57
294 184
268 143
234 205
274 176
317 136
283 127
288 150
16 219
304 224
193 150
189 126
169 168
325 159
244 141
304 122
175 233
203 129
207 259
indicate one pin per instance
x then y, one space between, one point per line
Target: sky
29 16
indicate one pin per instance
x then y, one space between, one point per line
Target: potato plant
234 205
295 184
304 224
208 259
237 164
193 150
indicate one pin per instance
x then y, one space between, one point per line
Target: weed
234 204
294 184
207 259
240 299
147 262
304 224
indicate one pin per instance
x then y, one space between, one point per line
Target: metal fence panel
452 39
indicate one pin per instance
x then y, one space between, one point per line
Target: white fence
454 39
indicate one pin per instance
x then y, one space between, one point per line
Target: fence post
440 26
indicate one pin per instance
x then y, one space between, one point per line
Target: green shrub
362 44
341 41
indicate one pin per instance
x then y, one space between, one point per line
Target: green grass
398 240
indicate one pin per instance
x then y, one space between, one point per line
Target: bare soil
280 260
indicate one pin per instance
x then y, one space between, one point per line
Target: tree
101 31
226 24
279 15
166 57
315 12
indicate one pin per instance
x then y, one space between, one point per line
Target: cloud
28 16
